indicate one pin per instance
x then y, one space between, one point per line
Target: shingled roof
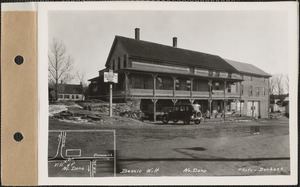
248 68
139 49
69 89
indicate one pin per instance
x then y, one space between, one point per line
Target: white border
291 7
28 6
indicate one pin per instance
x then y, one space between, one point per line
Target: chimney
174 41
137 33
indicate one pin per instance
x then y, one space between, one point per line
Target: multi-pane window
229 88
242 89
66 96
142 82
257 91
164 83
217 86
77 96
183 84
250 91
200 85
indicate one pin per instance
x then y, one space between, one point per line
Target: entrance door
255 108
249 108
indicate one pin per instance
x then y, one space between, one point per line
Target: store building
160 76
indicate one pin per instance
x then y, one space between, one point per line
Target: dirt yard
209 149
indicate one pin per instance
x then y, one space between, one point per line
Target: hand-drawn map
81 153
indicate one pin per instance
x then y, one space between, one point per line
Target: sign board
110 77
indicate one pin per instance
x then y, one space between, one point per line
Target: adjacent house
72 92
160 76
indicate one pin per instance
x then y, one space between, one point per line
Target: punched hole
18 136
19 60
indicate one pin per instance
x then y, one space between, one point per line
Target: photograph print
168 93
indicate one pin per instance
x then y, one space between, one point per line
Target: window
73 97
125 62
164 83
217 86
242 89
264 91
229 88
192 70
217 74
142 81
77 96
95 87
119 63
66 96
60 96
229 75
250 91
257 91
183 84
200 85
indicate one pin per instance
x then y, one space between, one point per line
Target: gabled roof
70 89
144 50
248 68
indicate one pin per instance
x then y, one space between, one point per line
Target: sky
256 37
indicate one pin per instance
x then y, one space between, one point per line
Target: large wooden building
159 75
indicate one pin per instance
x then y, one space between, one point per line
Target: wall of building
119 58
72 97
259 93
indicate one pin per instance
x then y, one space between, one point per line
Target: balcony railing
178 93
182 93
200 94
164 92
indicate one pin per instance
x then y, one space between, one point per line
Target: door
249 108
255 108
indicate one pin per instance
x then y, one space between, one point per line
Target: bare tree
278 81
80 76
286 82
271 86
60 64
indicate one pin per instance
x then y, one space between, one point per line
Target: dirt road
208 149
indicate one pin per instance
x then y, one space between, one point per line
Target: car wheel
197 121
165 119
186 121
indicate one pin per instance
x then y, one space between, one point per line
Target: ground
213 148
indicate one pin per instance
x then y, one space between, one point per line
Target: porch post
225 102
154 75
126 85
154 109
174 85
210 112
174 101
192 79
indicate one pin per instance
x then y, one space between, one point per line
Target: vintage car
186 113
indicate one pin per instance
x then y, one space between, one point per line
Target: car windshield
196 107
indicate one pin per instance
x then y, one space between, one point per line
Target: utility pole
111 78
110 99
